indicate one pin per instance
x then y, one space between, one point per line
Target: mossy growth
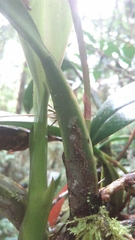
98 227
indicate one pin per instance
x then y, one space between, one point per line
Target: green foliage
99 227
128 52
111 48
116 113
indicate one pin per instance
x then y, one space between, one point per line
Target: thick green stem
78 154
39 197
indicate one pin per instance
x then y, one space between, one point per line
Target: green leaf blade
20 21
116 113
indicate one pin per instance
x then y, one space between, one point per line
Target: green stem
99 154
114 162
79 159
83 57
39 197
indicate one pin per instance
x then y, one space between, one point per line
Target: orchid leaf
117 112
11 119
42 212
20 21
24 121
53 22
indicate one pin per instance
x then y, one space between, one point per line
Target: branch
13 201
125 181
127 145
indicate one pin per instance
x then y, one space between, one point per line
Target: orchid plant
44 28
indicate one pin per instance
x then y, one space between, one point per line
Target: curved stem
78 153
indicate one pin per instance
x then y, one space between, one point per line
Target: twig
113 17
129 237
130 223
125 181
127 145
83 57
126 73
62 195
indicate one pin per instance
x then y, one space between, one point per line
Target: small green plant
99 227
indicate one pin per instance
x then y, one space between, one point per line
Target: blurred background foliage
110 44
